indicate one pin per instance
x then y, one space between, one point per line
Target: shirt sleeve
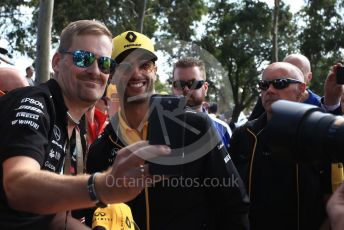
25 126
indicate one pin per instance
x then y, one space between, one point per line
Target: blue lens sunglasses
84 59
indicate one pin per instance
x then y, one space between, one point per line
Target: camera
340 75
189 134
304 133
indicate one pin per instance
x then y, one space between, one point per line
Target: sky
21 62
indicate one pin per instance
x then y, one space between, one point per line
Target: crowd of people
74 152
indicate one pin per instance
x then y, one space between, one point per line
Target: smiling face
82 85
135 77
292 92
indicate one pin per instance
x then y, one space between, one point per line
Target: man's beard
194 103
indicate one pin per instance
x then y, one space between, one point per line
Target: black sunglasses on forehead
191 84
281 83
84 59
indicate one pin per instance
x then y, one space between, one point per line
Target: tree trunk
275 31
236 112
42 62
141 8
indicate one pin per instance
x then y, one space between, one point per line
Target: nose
94 69
270 88
186 89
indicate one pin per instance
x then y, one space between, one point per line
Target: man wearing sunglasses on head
11 78
165 206
189 80
40 145
283 194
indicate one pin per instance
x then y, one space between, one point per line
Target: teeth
136 85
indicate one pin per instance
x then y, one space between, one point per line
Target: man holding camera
166 205
283 194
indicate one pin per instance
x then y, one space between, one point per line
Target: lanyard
69 164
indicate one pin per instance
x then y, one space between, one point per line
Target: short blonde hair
186 62
81 27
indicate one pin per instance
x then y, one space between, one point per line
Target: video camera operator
283 194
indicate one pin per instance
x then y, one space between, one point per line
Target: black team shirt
33 124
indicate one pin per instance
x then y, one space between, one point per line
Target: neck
135 114
196 108
75 110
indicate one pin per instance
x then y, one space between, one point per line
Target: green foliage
322 37
240 45
238 35
178 16
161 87
11 13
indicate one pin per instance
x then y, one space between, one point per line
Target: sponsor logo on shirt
33 102
31 108
227 158
57 133
26 122
27 115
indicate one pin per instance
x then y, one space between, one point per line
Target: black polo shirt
33 124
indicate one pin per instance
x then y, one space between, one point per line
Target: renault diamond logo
131 37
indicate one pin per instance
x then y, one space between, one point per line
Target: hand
60 222
333 91
335 208
127 176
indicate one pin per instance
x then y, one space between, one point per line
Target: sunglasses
84 59
191 84
281 83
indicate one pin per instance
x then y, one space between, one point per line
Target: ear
205 87
309 77
55 62
302 88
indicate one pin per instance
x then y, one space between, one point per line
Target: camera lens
303 133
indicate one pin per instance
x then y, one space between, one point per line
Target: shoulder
220 122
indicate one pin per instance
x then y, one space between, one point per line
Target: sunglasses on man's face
191 84
84 59
281 83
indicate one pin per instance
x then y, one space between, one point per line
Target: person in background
189 79
330 101
283 194
302 62
11 78
29 74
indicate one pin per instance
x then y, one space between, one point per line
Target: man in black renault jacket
197 204
283 194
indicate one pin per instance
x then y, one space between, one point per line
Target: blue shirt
313 99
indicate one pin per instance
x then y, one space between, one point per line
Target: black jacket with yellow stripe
283 195
210 195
